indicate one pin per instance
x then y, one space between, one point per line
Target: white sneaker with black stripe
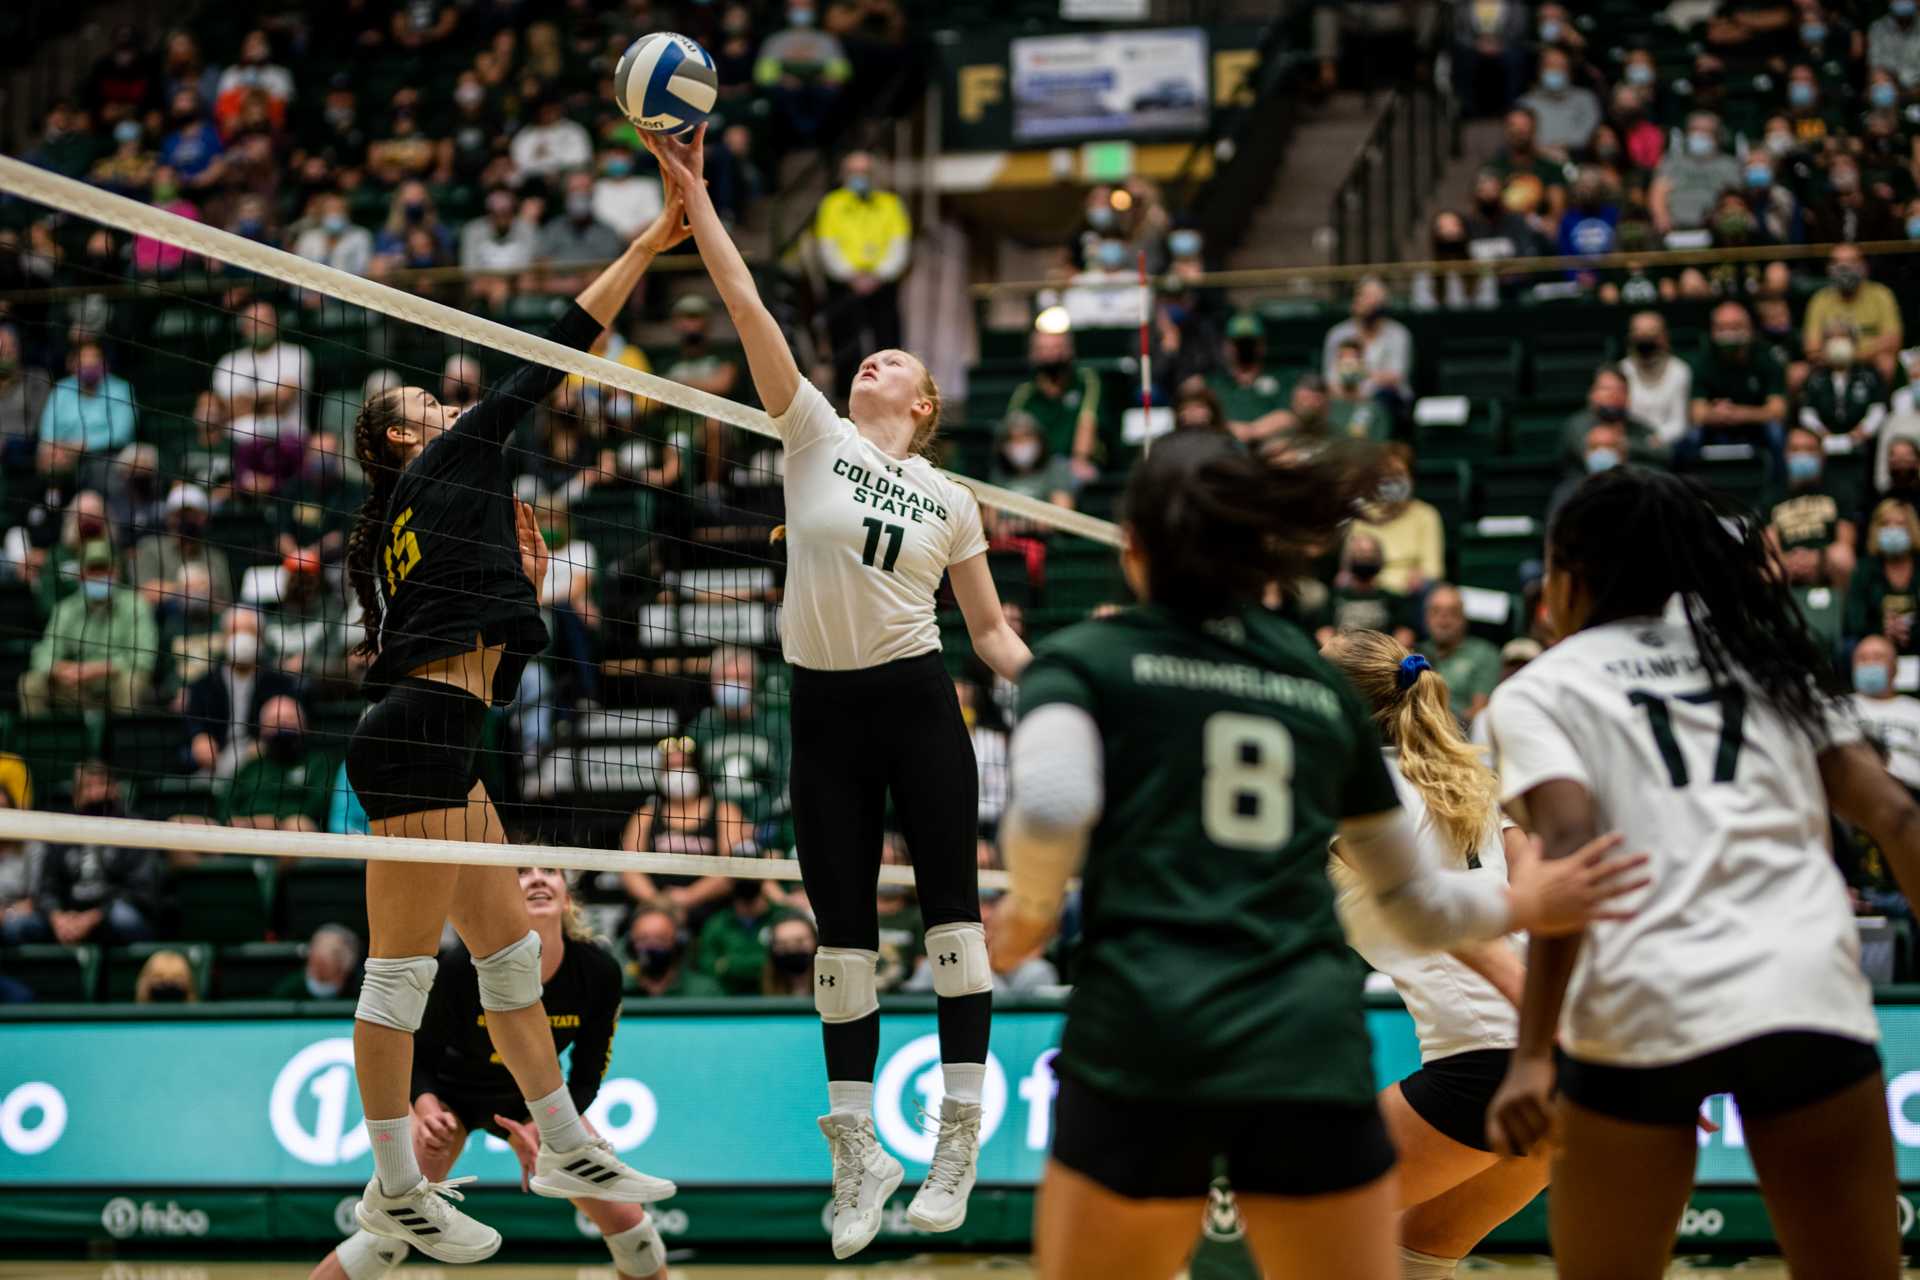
595 1172
426 1219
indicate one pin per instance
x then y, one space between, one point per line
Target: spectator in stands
1813 120
285 785
1306 417
1893 43
1884 595
1690 180
19 865
1456 288
1565 114
424 24
412 211
1249 395
263 385
255 70
1609 402
305 633
67 143
501 242
1196 408
1589 226
462 379
1870 307
802 71
1814 536
166 978
1846 211
790 947
1490 54
311 513
1603 447
1659 384
1471 665
1023 462
332 968
1064 398
1642 140
552 145
864 239
656 955
1351 410
622 199
335 241
743 738
1531 184
1495 230
124 82
1358 601
128 169
99 649
1385 344
88 416
93 893
1740 396
183 67
1897 472
1889 717
182 576
134 503
1845 395
568 597
574 240
683 817
224 706
23 399
698 364
405 151
989 736
732 948
1412 539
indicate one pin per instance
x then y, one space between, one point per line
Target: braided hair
1637 537
382 467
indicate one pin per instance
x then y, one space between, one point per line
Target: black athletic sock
965 1026
853 1048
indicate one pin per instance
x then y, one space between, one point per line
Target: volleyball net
179 665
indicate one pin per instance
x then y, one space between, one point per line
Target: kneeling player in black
459 1085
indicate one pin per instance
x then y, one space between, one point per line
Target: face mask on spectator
860 184
1779 142
322 990
680 784
732 697
1839 352
1913 227
1902 9
90 373
1023 453
1732 343
264 336
656 962
800 17
166 993
1112 255
1395 491
1848 278
190 523
413 210
1351 373
1246 350
1882 94
1053 368
1845 181
334 223
1184 243
619 167
1903 478
90 527
96 590
1803 468
580 205
1647 348
1759 176
251 228
1813 32
340 118
1602 459
1553 80
1800 94
1893 540
1610 412
243 650
469 95
1871 679
790 962
1550 32
1700 144
286 746
1100 217
1639 73
127 131
1364 570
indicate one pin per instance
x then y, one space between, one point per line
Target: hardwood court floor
929 1268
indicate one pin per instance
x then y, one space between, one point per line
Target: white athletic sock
559 1121
393 1154
1415 1265
965 1080
850 1097
626 1247
366 1256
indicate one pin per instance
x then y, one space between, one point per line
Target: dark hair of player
1217 523
376 455
1635 537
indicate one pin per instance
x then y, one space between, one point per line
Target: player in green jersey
1201 756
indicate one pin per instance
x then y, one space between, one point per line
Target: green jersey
746 759
1212 965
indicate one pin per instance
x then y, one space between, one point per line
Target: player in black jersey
460 1086
447 567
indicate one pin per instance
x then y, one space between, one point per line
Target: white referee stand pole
1146 357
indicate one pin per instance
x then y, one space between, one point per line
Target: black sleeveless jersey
448 570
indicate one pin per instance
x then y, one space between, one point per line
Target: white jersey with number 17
1745 929
868 537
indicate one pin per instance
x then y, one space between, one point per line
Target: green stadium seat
55 974
614 520
1517 486
124 965
1491 552
223 899
1447 487
317 892
251 970
1564 363
1442 435
1824 611
1539 426
1479 367
1742 478
52 746
145 746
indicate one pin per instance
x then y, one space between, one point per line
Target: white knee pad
510 977
638 1251
958 955
843 983
365 1256
393 993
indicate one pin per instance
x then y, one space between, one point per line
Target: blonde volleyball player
1455 1189
459 1086
871 528
1717 741
447 569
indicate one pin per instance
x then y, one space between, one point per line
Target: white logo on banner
907 1069
30 1140
323 1069
122 1217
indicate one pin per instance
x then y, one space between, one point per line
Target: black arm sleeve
509 399
593 1048
455 988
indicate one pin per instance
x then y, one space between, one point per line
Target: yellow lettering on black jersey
403 552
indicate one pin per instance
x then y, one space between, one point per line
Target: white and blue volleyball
665 84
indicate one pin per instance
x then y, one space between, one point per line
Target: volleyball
665 83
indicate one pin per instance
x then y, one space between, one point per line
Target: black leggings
858 737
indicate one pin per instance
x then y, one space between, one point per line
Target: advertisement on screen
710 1101
1112 83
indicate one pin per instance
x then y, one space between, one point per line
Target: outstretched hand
670 226
1564 895
533 547
682 163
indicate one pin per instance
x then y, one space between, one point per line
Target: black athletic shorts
475 1112
1452 1093
1766 1075
1156 1149
416 749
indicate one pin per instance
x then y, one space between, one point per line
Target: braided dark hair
1218 523
382 467
1636 537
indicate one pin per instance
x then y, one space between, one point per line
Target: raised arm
775 375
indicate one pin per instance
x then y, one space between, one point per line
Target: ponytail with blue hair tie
1410 669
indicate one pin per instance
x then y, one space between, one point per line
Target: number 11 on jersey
894 532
